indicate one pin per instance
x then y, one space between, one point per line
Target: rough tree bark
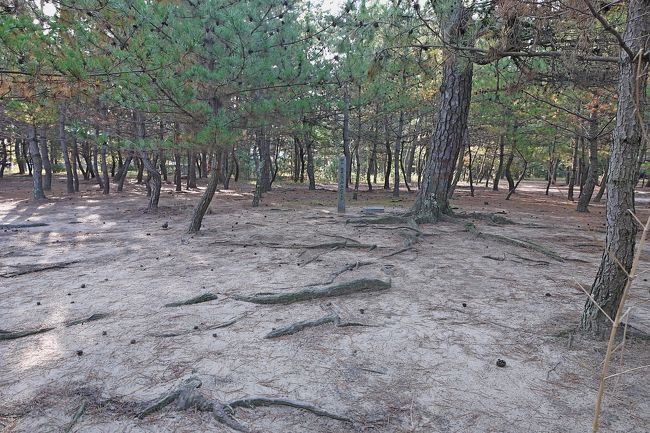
623 166
398 153
346 134
451 123
574 168
191 170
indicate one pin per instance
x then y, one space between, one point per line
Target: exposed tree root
315 292
491 217
9 335
21 226
394 253
498 259
29 269
514 241
188 396
206 297
255 401
199 328
304 324
385 219
96 316
329 245
77 415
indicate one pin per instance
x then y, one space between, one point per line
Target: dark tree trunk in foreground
451 122
37 164
627 145
574 168
591 179
389 154
309 143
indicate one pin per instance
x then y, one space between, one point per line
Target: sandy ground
427 363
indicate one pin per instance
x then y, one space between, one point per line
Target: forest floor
426 362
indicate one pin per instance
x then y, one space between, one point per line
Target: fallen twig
205 328
21 226
304 324
29 269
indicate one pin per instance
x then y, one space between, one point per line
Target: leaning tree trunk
592 172
124 172
627 145
204 203
47 166
64 149
603 183
37 164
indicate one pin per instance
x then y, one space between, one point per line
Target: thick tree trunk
64 150
37 164
499 173
627 145
47 166
432 201
591 179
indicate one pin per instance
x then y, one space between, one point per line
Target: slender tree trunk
389 153
592 174
460 165
95 158
26 157
37 165
574 168
488 175
177 172
397 153
122 175
20 161
508 170
309 143
499 173
75 158
64 150
47 166
372 164
106 185
603 184
627 145
191 170
346 135
3 160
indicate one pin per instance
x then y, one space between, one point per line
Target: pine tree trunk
309 143
346 135
204 202
389 154
627 145
75 159
574 168
47 166
37 165
64 150
20 161
603 183
191 170
177 172
499 173
592 172
398 154
155 181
